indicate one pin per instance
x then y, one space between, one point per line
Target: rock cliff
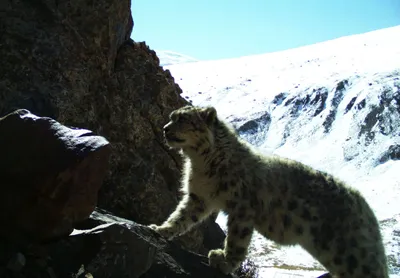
74 62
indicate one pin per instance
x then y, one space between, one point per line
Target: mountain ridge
168 57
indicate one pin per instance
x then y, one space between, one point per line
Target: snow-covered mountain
173 58
333 105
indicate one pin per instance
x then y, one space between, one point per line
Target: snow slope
333 105
173 58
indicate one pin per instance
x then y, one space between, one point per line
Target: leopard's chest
201 184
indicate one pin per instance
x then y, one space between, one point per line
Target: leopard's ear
209 115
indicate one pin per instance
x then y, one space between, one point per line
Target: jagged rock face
148 172
373 111
369 117
74 61
50 176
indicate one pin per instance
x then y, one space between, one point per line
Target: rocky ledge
105 246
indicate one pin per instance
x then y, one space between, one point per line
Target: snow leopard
285 200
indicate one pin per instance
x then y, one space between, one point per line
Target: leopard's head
190 127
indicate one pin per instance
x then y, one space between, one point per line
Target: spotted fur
284 200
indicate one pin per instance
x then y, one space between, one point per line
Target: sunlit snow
282 93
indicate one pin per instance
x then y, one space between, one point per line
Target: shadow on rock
50 176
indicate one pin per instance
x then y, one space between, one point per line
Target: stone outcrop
50 176
74 61
106 246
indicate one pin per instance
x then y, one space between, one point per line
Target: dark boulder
50 176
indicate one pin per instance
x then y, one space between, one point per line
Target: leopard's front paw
166 231
217 260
